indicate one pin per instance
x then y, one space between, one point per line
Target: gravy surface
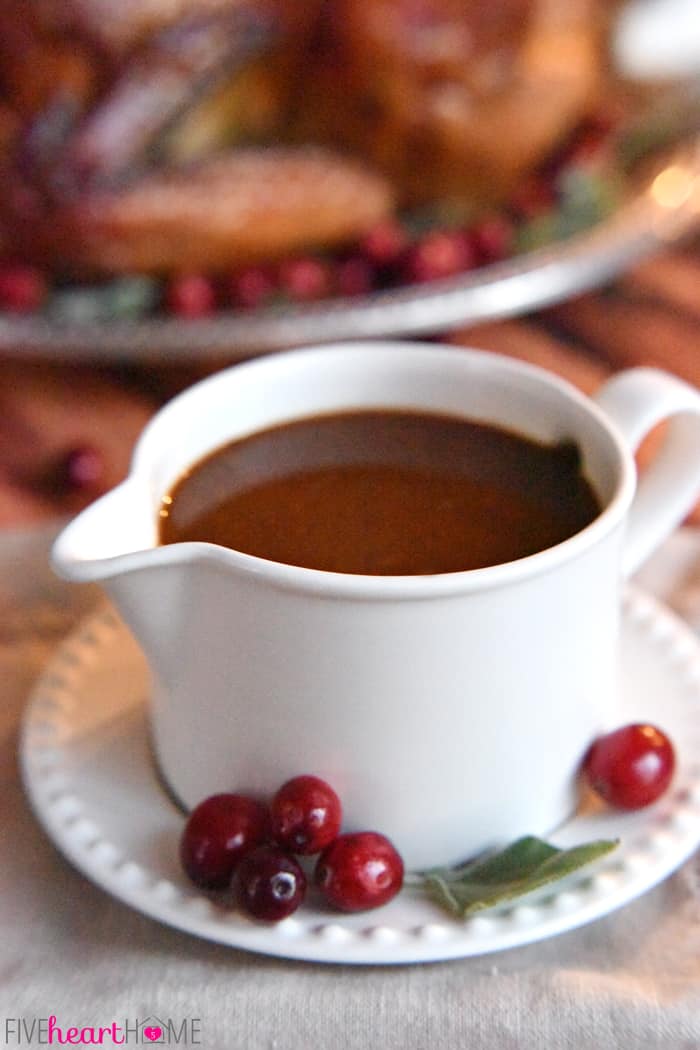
383 493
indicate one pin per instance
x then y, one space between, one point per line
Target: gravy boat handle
636 401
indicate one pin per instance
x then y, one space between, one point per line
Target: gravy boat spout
119 533
114 535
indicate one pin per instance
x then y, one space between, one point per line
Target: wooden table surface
47 409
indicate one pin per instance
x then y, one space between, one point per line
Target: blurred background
187 183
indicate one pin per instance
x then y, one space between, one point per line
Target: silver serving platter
663 208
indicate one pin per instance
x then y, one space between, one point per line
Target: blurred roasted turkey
162 135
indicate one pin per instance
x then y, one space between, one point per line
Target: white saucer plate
90 777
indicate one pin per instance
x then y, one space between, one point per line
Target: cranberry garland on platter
573 190
234 154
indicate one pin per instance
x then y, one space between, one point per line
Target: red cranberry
359 871
354 276
271 885
305 814
385 243
438 254
492 239
304 280
630 767
22 289
220 831
191 295
590 142
83 468
604 121
588 150
534 198
252 288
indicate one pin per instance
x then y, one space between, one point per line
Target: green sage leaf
586 197
124 298
520 868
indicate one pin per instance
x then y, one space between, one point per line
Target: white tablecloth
631 980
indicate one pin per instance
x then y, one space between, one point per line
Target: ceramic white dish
92 783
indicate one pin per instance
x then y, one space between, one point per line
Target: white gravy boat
450 712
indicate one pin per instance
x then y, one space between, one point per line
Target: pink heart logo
153 1033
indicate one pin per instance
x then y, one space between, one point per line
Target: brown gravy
383 493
